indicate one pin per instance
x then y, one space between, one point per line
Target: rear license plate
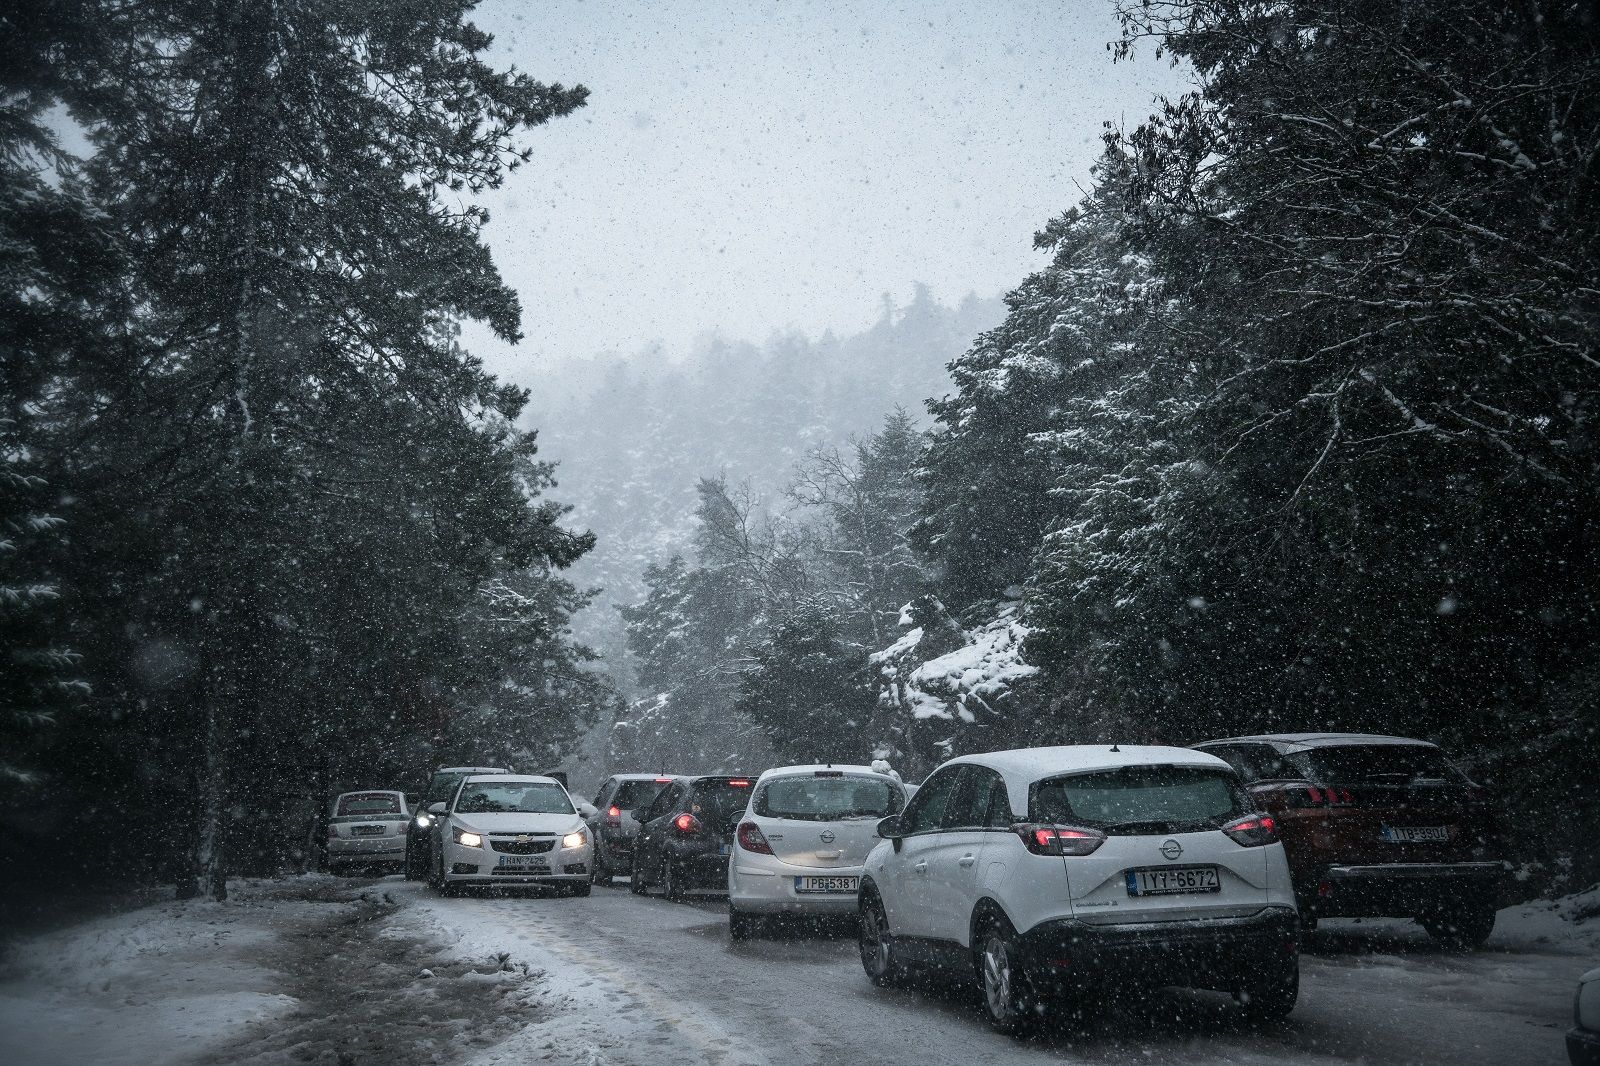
531 863
1416 834
827 884
366 830
1173 880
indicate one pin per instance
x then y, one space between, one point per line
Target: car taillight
1313 796
613 815
739 783
686 823
1253 830
1059 839
752 839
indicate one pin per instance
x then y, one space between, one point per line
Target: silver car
366 828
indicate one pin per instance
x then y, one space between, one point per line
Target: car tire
1269 996
1462 929
636 883
742 926
602 872
879 956
1002 979
416 864
671 888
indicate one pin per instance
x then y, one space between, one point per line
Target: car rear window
827 799
441 787
1375 764
1141 799
634 794
719 802
369 803
511 797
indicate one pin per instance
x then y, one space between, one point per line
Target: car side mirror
889 828
587 811
436 808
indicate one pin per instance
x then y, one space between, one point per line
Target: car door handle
921 867
966 860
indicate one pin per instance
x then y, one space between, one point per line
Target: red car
1376 826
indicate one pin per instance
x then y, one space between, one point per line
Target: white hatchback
1051 875
800 846
367 828
509 829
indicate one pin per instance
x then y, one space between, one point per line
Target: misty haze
619 533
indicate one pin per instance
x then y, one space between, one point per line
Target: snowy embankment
166 983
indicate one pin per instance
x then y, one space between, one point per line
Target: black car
686 833
441 787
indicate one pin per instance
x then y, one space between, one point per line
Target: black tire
636 882
742 926
879 956
1270 994
1003 979
1460 929
602 872
416 863
671 887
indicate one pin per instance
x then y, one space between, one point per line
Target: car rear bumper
1200 953
1403 888
765 885
1583 1047
371 849
700 869
617 849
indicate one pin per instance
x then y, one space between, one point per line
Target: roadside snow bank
166 983
1569 924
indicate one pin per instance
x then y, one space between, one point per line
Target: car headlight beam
575 840
468 840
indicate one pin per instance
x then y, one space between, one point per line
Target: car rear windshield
1375 764
441 787
510 797
1141 799
369 803
631 795
719 802
827 799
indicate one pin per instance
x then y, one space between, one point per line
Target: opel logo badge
1171 849
827 836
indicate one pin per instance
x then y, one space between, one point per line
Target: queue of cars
1046 875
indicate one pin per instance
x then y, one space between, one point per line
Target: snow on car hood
519 823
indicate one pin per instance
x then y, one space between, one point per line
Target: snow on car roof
643 777
811 768
518 779
1325 740
1022 766
472 770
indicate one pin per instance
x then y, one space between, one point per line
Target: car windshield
1374 764
826 799
1133 799
513 797
369 803
719 802
632 795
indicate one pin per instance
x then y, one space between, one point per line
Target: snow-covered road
646 981
356 972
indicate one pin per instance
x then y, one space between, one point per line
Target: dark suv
686 833
1376 826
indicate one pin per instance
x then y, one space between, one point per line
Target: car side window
999 814
664 803
927 809
974 797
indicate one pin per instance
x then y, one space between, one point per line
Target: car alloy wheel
876 945
1003 980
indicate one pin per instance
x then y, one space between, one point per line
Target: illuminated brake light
1253 830
1059 839
663 780
613 815
739 783
686 823
751 838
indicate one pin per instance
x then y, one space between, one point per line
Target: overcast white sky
758 166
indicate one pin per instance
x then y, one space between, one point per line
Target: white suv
802 840
1049 873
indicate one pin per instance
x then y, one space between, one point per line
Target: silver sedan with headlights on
365 828
510 829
